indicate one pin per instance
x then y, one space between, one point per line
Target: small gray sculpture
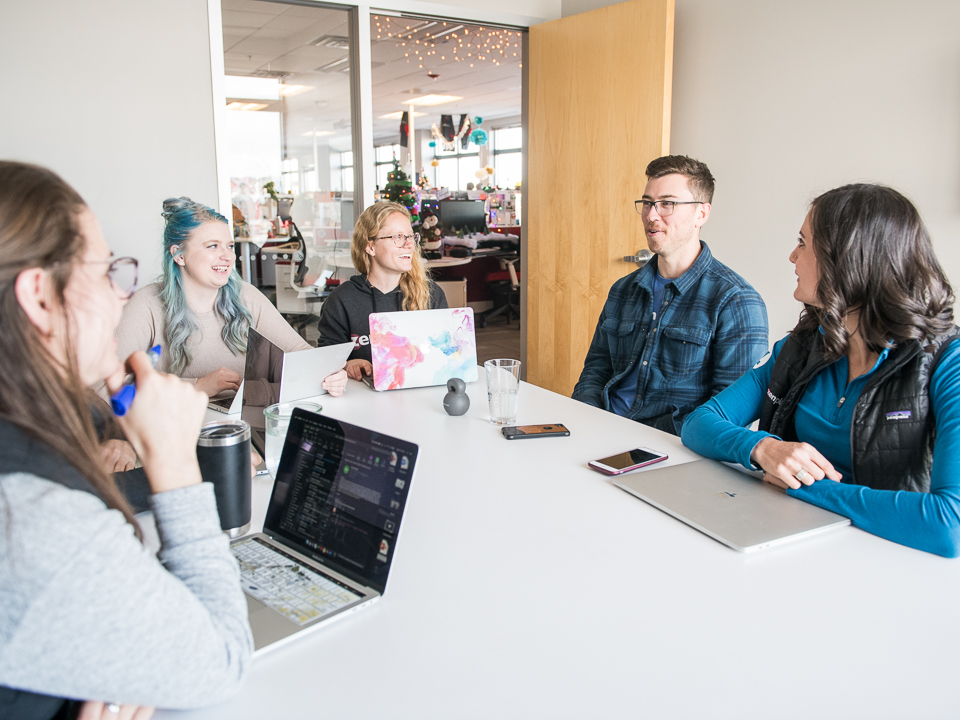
456 402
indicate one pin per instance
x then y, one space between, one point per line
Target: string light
470 45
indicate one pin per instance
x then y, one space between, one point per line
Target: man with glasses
683 327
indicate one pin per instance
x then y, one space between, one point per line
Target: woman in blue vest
859 406
87 613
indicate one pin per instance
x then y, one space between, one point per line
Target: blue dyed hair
183 216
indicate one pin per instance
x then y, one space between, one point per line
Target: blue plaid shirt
711 329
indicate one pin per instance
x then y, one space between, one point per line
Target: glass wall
288 136
440 73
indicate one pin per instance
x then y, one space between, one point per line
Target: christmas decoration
449 40
447 122
399 189
430 232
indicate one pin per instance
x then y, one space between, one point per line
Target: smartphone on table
516 432
626 461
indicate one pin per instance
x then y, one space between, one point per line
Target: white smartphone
626 461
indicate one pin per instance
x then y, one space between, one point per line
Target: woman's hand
219 380
162 424
118 456
790 464
335 384
356 369
92 710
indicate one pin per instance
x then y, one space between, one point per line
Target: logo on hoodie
359 340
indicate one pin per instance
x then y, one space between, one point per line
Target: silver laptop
285 377
271 375
737 509
331 529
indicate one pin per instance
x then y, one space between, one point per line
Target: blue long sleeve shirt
710 329
926 521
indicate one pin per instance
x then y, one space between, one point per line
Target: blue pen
121 400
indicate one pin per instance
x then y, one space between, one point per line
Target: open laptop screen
340 494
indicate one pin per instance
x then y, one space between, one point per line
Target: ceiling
306 46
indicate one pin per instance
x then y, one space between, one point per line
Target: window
385 155
508 156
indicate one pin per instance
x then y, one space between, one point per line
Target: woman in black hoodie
392 277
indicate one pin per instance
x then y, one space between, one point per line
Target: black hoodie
346 313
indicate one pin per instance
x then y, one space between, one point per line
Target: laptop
422 348
273 376
331 528
283 377
228 404
737 509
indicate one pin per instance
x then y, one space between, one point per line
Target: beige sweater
143 325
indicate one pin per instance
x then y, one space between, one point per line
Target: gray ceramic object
456 402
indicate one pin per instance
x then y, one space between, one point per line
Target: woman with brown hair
81 600
859 406
392 277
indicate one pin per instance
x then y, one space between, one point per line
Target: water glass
277 420
503 381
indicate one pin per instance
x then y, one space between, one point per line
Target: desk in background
527 586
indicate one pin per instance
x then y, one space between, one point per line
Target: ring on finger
801 475
113 708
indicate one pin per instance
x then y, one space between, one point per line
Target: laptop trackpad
268 625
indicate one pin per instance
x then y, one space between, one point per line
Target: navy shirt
623 394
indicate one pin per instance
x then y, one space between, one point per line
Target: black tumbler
223 452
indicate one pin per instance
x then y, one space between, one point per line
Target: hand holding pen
162 422
121 400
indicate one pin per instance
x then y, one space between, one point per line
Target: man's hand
118 456
790 464
356 369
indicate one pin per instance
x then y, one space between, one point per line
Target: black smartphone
626 461
515 432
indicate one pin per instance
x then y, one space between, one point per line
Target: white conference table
526 585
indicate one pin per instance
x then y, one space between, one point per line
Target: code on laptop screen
340 494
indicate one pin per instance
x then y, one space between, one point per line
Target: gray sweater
86 612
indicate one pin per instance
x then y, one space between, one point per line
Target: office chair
506 292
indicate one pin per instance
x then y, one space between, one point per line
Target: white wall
786 100
115 96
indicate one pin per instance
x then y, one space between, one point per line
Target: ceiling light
246 106
288 90
251 88
432 100
398 114
445 32
319 133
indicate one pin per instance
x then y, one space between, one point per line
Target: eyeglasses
401 240
664 208
122 273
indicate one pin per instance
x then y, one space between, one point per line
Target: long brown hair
414 284
42 396
874 256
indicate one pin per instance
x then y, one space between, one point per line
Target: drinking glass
277 420
503 381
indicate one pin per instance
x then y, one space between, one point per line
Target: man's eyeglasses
123 275
401 240
664 208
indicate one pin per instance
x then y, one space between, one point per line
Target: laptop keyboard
285 584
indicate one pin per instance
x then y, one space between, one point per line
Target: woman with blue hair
201 310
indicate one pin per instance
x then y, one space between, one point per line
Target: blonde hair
413 284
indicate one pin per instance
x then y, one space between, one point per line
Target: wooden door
599 111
